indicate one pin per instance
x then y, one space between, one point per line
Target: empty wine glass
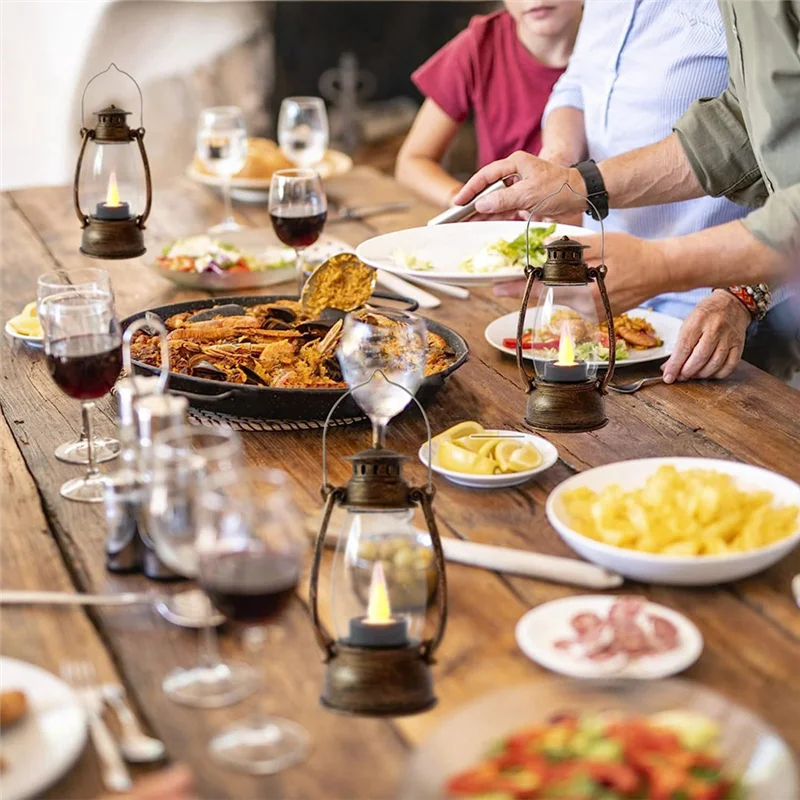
77 451
379 345
222 147
83 351
303 130
251 546
180 461
298 209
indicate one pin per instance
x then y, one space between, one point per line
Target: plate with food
596 636
264 157
678 521
465 253
26 327
470 455
265 357
642 336
43 726
602 740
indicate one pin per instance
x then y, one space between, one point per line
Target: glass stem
300 267
208 646
378 434
254 639
226 199
86 409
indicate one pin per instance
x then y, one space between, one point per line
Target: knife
353 214
16 598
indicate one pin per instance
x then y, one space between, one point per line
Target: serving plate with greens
465 253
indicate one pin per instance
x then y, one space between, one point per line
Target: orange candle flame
112 197
566 348
379 609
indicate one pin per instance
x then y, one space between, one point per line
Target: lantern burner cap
565 265
112 127
377 481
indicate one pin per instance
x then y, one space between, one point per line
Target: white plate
40 748
665 326
549 457
259 242
541 627
447 246
31 341
667 569
749 747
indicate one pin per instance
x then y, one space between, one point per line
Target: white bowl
666 569
549 457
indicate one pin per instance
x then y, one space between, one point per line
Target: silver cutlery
14 597
81 676
634 386
442 288
137 747
348 214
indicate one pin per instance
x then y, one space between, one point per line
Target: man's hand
711 339
538 179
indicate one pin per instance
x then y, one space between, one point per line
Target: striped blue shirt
636 67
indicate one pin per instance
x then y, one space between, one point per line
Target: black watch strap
595 188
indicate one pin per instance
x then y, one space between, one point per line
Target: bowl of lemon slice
26 326
470 455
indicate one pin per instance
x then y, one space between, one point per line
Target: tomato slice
527 344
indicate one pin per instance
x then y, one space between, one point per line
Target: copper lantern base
390 682
566 407
112 239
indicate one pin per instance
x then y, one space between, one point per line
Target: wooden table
751 628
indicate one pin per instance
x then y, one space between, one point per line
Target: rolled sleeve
566 93
713 136
777 222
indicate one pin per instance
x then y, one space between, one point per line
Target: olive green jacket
745 144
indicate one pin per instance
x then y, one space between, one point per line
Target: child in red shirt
502 68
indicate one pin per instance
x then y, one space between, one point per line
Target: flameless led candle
112 208
566 368
378 628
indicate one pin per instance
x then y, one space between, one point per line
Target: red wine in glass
298 226
249 586
85 367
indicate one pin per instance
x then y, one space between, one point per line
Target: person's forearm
720 256
564 136
648 176
427 178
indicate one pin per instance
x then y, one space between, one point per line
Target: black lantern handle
599 274
82 218
138 89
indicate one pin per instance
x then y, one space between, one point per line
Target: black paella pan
264 402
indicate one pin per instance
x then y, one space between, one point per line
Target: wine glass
222 147
379 345
298 209
104 447
83 352
180 461
303 130
251 546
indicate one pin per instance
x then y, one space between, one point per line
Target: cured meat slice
586 623
665 634
626 608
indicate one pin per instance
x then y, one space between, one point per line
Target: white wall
49 49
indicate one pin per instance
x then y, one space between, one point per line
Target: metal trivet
213 419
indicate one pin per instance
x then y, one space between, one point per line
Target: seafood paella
274 344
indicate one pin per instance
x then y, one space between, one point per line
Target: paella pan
217 362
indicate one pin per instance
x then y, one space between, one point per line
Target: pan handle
413 305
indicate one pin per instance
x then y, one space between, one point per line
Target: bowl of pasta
678 521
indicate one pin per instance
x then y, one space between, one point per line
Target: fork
634 386
82 677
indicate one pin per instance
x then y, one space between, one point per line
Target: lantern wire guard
389 681
113 238
579 409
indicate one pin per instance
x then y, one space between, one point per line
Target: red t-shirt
487 70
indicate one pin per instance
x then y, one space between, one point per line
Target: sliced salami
626 608
665 634
586 623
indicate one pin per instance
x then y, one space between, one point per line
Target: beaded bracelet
756 299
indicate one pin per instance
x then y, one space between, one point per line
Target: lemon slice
468 443
524 458
450 456
458 431
27 323
503 452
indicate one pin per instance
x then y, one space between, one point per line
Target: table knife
14 597
354 214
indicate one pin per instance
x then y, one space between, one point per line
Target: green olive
368 550
404 557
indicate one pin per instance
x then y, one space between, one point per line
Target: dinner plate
749 747
261 243
31 341
41 747
256 190
548 452
666 327
447 246
670 569
543 626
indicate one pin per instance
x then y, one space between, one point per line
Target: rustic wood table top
751 628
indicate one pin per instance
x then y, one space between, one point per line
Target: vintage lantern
112 192
385 576
566 394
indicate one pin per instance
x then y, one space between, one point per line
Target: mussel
282 313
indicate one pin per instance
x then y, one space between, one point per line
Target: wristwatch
595 188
